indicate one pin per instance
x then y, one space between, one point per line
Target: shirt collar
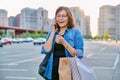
57 31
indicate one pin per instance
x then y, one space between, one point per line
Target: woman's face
62 18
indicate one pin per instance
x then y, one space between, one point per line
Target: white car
28 39
17 40
39 41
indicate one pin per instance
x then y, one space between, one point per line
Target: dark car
1 45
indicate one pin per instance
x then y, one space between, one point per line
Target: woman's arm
77 50
48 44
71 50
61 40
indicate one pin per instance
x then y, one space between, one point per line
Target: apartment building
109 19
38 19
117 23
82 22
28 18
3 17
34 18
12 21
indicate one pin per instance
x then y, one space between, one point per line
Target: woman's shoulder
74 30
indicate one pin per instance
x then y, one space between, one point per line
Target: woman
62 41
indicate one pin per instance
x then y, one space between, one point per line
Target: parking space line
19 55
7 64
102 67
13 70
28 78
89 55
114 66
27 60
116 61
103 48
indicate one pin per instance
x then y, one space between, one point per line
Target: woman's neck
62 30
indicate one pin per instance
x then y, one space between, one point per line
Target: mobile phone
56 25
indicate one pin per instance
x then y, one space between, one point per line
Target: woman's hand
54 26
59 39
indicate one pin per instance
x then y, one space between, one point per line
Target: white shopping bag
84 69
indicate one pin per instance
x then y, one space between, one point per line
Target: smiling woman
61 41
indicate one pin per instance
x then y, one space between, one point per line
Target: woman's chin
61 26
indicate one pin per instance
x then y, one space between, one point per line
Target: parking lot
21 61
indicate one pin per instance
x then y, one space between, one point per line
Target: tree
106 34
90 35
35 34
3 34
42 34
101 37
26 34
96 37
116 39
12 34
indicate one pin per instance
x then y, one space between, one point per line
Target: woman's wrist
65 44
52 32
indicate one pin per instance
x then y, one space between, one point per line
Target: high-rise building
42 19
106 20
3 17
34 18
18 20
12 21
87 19
109 19
80 20
117 21
28 18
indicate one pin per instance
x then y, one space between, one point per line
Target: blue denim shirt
74 38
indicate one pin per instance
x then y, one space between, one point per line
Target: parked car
28 39
1 45
17 40
39 41
6 41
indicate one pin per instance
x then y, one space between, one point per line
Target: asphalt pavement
21 61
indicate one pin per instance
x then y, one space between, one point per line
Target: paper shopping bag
64 69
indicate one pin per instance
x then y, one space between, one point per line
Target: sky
90 7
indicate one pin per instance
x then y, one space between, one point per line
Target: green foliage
26 34
115 38
42 34
96 37
102 37
88 36
3 33
35 35
12 34
107 35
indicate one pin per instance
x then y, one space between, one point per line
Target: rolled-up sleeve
43 50
79 44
